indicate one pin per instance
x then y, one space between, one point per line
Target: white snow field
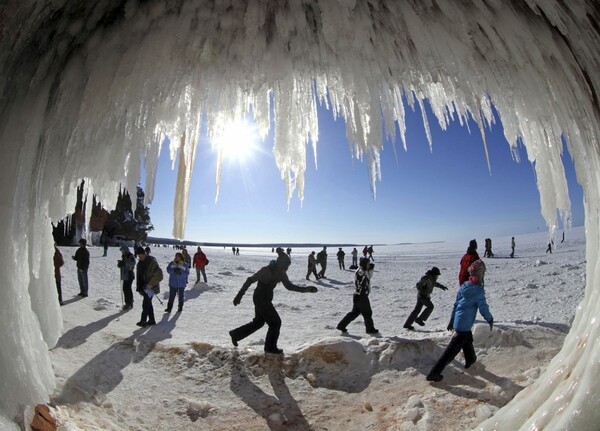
90 89
184 372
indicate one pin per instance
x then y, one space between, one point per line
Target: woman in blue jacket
469 299
178 271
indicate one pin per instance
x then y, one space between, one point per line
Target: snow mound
103 304
498 337
540 263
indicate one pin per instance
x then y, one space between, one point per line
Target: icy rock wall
88 89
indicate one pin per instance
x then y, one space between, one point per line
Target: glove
119 264
311 289
238 299
491 323
450 326
444 288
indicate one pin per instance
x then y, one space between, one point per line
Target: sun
237 140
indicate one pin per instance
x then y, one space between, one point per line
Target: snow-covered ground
184 373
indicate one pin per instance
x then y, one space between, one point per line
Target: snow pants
461 340
422 300
360 305
264 312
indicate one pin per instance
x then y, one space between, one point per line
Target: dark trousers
82 278
147 309
127 292
200 271
341 263
422 300
360 305
312 270
461 340
264 312
322 271
172 292
59 290
355 260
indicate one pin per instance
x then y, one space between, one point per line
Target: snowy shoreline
113 375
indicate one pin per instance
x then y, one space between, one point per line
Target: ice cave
86 84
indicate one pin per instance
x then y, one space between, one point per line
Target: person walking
469 299
370 251
178 271
340 256
549 249
488 248
312 266
104 241
82 257
360 299
58 262
365 251
148 276
200 262
267 279
322 260
354 258
127 266
424 289
512 247
468 258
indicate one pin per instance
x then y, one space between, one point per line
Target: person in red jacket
470 256
200 262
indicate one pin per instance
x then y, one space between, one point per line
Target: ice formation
87 89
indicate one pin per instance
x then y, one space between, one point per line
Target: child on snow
469 299
424 287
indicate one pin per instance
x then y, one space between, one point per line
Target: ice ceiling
89 88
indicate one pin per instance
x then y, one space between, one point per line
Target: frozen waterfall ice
88 89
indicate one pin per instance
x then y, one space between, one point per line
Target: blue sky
444 195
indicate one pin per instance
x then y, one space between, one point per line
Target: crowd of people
142 267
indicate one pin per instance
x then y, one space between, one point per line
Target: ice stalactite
88 89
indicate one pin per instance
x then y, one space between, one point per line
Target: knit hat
477 268
435 271
473 244
140 250
124 249
284 260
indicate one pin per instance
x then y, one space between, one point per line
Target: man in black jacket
127 265
82 256
149 275
322 260
264 312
